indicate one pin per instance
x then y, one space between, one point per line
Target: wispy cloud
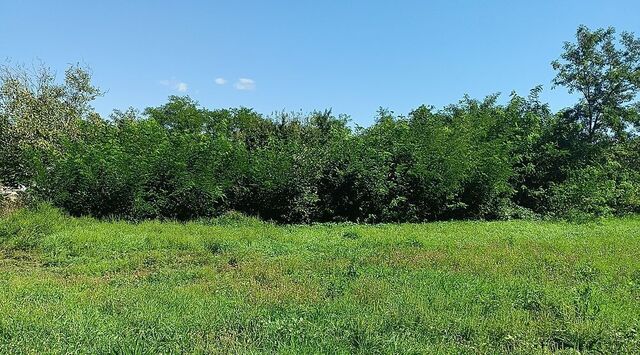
220 81
182 87
245 84
175 85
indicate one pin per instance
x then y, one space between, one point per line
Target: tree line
475 159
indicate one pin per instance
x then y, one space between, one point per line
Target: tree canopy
472 159
605 71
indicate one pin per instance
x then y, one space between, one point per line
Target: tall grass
72 285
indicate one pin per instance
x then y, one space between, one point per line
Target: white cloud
182 87
221 81
245 84
176 85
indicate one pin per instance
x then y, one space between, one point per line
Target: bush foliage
470 160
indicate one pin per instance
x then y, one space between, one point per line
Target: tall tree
37 113
605 70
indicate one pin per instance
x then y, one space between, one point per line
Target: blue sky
351 56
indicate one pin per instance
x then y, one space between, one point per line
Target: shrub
595 191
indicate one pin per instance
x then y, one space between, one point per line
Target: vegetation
235 284
476 159
182 229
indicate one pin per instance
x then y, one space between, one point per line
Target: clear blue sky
351 56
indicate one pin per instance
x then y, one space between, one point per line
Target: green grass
233 285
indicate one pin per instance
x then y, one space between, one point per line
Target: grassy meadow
237 285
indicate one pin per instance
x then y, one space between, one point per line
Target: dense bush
597 191
474 159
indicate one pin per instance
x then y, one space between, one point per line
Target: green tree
37 114
605 71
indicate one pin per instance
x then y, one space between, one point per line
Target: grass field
241 286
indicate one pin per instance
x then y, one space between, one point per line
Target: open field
238 285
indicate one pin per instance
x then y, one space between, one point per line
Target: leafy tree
473 159
37 114
605 71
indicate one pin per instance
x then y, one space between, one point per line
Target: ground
77 285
